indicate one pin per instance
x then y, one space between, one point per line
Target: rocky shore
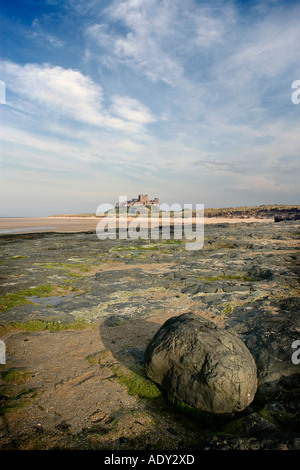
77 313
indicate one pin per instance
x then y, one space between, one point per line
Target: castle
142 199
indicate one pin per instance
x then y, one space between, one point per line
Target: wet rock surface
245 280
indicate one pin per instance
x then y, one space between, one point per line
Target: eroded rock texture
202 365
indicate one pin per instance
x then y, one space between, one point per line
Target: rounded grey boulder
202 365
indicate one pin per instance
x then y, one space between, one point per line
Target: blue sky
189 101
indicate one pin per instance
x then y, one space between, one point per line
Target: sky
189 101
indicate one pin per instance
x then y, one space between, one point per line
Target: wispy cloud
269 46
157 37
130 109
38 32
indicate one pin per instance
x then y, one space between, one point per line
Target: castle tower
143 199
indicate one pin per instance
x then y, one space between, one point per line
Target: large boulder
202 365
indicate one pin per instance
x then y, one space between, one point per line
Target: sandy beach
12 225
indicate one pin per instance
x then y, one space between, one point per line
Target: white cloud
62 91
100 34
130 109
144 55
67 93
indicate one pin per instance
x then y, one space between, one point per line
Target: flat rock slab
52 301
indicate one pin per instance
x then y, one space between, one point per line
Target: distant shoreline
9 226
262 211
74 223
